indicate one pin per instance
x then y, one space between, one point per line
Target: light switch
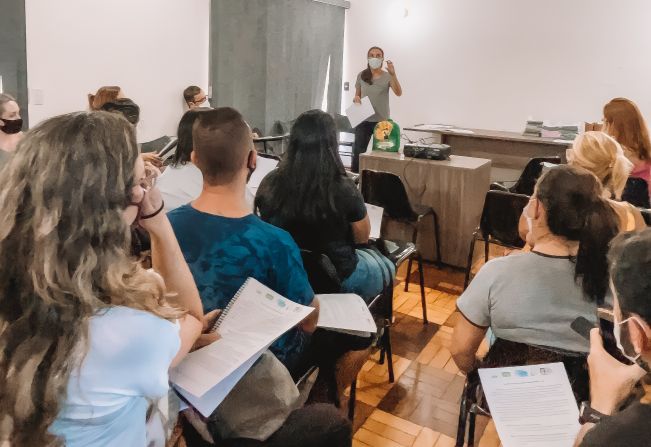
37 97
346 86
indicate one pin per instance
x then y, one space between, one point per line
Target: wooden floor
420 408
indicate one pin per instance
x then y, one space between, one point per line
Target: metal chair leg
471 428
486 250
463 417
408 275
421 276
387 345
469 263
351 400
437 240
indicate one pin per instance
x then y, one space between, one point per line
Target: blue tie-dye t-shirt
223 252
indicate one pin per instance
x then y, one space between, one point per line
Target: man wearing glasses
195 97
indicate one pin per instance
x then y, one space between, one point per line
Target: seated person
92 334
611 382
224 243
604 157
11 125
103 95
624 122
533 297
195 97
310 196
182 182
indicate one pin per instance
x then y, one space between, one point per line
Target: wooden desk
505 149
455 188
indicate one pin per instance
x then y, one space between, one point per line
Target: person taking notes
374 83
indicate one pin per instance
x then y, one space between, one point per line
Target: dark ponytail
367 74
576 211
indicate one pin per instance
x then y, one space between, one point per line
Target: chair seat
399 251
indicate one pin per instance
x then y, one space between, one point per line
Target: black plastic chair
343 126
270 156
155 145
387 191
323 278
504 353
498 224
646 214
636 192
528 178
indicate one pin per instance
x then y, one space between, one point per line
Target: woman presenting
374 83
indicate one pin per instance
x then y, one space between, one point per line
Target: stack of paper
347 313
253 320
532 406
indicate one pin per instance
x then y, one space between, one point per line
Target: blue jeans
373 273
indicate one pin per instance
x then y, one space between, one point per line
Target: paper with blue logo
253 320
532 406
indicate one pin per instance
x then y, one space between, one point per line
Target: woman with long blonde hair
624 122
86 334
602 155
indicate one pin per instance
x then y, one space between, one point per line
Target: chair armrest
499 186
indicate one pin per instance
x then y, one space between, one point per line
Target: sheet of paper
463 131
532 406
359 112
346 312
207 403
375 216
255 320
263 167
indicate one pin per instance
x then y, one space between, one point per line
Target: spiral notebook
254 318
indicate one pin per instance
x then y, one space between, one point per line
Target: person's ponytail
576 211
591 268
367 75
619 173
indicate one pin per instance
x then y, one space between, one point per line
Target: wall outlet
346 86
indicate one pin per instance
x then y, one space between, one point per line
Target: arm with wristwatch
611 382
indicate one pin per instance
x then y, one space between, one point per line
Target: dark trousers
318 425
363 134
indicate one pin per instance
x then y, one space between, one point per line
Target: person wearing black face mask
611 382
11 125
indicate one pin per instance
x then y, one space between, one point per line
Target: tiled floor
421 407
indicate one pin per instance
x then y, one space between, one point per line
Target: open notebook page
252 322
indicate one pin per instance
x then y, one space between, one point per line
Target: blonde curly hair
64 255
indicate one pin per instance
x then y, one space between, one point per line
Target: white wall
153 49
492 64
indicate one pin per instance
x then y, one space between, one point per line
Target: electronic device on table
428 151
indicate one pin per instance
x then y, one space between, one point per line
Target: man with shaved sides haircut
224 243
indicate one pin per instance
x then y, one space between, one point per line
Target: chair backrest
504 353
636 192
155 145
501 216
343 123
530 174
387 191
321 272
646 214
269 156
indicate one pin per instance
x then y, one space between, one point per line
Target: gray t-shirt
378 93
529 298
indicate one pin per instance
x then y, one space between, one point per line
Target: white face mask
375 62
617 332
529 218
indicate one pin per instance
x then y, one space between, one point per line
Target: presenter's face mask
375 62
11 126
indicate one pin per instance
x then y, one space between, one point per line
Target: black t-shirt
331 236
628 428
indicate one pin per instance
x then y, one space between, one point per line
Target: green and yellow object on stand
386 136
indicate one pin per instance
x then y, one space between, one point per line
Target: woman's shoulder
127 319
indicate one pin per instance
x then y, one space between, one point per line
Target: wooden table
504 149
455 188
